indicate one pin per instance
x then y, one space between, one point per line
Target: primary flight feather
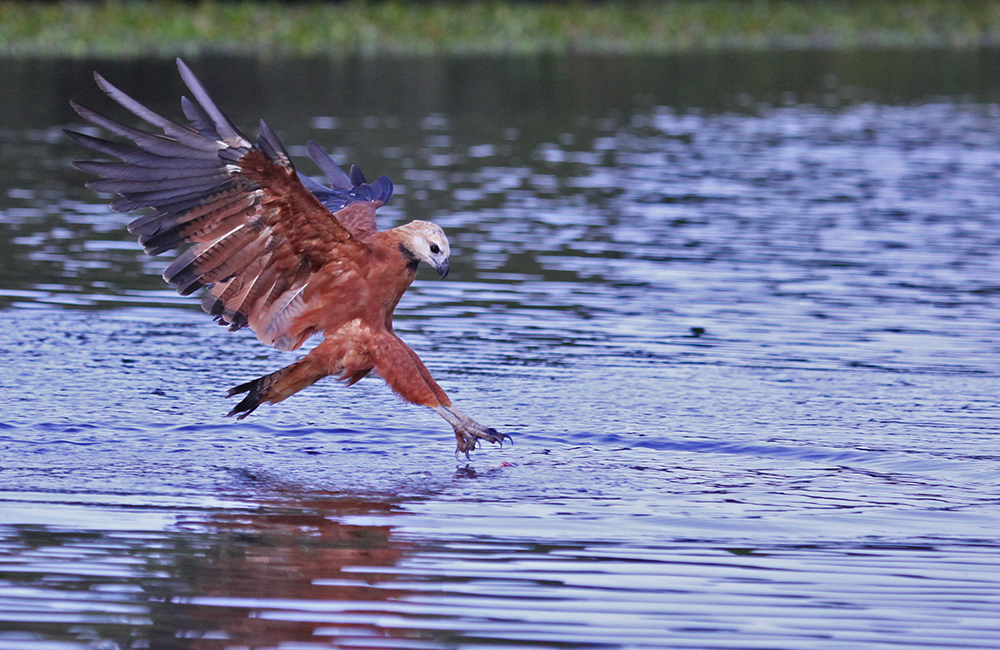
276 251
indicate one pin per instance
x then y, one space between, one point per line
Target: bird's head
426 242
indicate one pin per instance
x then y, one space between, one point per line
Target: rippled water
739 314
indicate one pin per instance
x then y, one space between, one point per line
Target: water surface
738 312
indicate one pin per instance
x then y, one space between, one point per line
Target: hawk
275 250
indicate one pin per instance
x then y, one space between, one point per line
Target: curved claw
468 432
498 437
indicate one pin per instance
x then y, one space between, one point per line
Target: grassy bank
126 28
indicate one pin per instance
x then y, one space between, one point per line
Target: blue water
741 327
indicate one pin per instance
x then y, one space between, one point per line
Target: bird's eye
435 249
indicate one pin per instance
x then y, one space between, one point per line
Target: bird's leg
468 432
278 385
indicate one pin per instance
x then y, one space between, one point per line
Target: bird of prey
276 251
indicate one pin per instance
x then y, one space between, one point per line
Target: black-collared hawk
276 251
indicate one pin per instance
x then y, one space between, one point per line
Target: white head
426 242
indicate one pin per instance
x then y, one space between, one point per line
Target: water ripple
745 346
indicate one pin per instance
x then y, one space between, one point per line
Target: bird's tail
276 386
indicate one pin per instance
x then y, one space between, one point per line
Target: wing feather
239 260
223 127
257 237
199 118
168 201
182 134
150 142
271 145
201 264
338 179
204 229
275 323
139 157
156 189
350 198
244 306
232 301
153 223
133 172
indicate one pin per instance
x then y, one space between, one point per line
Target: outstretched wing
345 191
258 235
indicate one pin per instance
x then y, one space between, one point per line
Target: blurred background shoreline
118 29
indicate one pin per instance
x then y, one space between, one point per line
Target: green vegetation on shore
120 28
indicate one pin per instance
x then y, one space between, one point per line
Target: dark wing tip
338 179
76 136
357 178
223 126
383 189
79 108
269 143
183 67
344 189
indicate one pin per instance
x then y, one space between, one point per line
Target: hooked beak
442 269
